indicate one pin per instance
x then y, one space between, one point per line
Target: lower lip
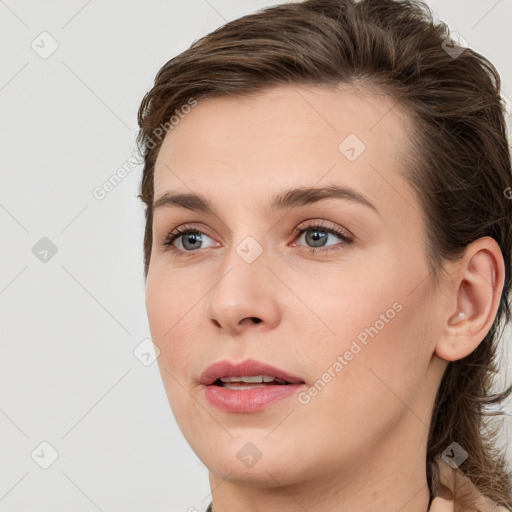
249 400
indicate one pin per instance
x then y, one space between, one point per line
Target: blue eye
191 239
318 234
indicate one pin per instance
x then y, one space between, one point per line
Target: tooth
254 378
239 388
231 379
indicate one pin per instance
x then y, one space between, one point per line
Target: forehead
285 136
222 127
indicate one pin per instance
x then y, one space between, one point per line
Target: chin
263 474
248 465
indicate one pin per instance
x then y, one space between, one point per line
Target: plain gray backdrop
84 420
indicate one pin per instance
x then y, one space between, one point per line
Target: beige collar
456 493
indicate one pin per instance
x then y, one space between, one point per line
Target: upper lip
248 367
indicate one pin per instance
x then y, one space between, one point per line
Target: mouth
247 387
249 382
248 373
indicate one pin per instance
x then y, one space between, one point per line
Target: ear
474 293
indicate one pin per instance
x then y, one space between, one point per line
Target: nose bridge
243 289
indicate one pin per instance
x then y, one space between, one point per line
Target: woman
328 258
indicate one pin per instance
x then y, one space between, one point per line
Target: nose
244 296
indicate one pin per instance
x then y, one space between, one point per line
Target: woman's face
351 317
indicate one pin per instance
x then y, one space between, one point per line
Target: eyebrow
291 198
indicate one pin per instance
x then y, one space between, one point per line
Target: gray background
71 323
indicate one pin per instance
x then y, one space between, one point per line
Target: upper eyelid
314 222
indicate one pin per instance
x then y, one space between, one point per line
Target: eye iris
314 238
194 237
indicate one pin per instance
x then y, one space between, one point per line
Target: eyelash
320 226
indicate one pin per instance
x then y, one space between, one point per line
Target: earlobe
474 292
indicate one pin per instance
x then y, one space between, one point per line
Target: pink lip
247 400
226 368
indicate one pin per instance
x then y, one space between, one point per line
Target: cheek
347 304
170 306
373 321
173 325
159 306
373 378
390 369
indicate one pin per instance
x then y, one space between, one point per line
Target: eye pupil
315 238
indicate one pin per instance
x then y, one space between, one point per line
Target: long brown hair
459 161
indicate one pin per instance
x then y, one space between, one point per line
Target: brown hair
459 156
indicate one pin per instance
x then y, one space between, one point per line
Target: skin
360 443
